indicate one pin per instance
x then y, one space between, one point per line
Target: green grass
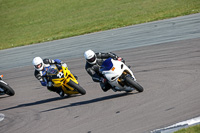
193 129
26 22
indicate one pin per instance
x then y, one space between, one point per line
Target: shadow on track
5 96
36 103
92 101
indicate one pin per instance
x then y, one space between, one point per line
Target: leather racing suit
93 69
40 75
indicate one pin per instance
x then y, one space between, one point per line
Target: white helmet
38 63
90 56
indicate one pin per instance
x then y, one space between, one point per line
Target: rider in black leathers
93 64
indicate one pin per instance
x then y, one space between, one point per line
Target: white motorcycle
5 88
119 76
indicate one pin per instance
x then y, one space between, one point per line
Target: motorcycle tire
7 89
130 81
77 87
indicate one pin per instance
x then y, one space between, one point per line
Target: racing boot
60 92
105 87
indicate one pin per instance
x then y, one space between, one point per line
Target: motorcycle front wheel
130 81
77 87
7 89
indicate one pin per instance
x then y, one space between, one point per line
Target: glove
119 58
57 61
1 76
49 84
43 83
103 80
64 65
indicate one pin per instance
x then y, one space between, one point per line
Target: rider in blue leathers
41 66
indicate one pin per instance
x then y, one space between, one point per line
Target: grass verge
192 129
26 22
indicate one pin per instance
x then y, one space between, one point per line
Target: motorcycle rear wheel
7 89
130 81
77 87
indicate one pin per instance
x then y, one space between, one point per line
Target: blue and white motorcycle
119 76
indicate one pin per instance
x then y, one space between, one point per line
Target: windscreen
107 65
52 70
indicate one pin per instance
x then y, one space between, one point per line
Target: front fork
121 79
2 90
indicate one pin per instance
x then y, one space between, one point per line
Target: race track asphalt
169 73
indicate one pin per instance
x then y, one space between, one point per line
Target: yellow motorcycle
61 76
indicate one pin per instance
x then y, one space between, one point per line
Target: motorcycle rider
41 66
93 64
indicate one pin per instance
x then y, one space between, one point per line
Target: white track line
177 126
